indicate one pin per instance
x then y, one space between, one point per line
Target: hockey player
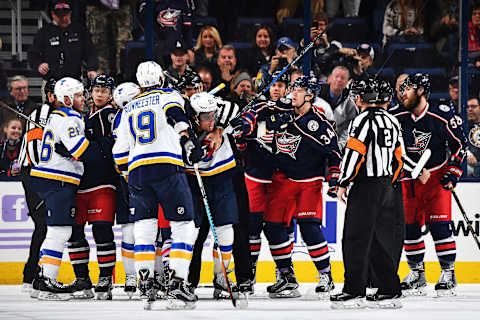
439 129
153 141
95 199
56 179
303 143
217 170
122 95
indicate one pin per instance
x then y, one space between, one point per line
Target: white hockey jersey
144 137
219 162
66 126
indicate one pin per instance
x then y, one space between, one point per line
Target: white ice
17 305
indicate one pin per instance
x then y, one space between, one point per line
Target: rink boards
16 229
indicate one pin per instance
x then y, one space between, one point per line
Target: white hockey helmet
67 87
150 74
203 102
124 93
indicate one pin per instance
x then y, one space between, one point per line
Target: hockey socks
280 244
225 239
52 250
79 253
106 256
317 245
128 253
444 243
145 234
183 237
414 244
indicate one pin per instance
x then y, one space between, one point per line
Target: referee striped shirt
374 148
32 140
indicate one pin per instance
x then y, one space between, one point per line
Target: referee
29 156
373 229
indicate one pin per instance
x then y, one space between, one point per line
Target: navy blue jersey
98 127
437 128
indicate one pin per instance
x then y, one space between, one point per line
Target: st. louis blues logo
288 143
421 141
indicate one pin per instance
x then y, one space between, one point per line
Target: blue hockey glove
192 151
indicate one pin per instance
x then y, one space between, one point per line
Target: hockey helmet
67 87
203 102
416 81
366 88
103 81
49 86
308 83
385 91
189 79
150 74
283 78
124 93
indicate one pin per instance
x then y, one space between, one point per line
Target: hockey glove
280 121
334 175
62 150
244 124
451 176
192 152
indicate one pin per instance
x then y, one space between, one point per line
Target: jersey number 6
47 148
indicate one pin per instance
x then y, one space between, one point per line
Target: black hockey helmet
416 81
285 77
385 91
49 86
189 79
310 84
103 81
366 88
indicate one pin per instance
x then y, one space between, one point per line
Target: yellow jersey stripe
218 170
144 162
180 254
52 176
77 154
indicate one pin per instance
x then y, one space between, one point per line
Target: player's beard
411 104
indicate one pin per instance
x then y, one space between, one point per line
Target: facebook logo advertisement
14 208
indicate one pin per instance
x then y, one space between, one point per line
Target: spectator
10 148
350 8
206 76
285 52
333 90
261 51
474 35
294 75
60 48
226 67
18 100
241 89
110 24
178 56
361 62
473 153
287 8
403 22
326 54
172 22
453 93
208 44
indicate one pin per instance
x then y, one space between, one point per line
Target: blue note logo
14 208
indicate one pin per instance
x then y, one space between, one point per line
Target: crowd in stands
213 39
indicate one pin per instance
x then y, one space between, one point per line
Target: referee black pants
38 213
373 236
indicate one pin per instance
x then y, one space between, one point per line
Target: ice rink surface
15 305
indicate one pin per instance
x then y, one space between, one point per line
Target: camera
315 24
282 63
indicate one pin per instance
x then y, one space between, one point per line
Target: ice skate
179 295
246 287
220 289
415 283
82 288
347 301
130 285
447 283
325 286
384 301
285 287
103 289
147 288
51 290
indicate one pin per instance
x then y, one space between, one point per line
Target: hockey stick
215 239
469 223
421 163
217 88
21 115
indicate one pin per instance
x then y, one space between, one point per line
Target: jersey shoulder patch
444 108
